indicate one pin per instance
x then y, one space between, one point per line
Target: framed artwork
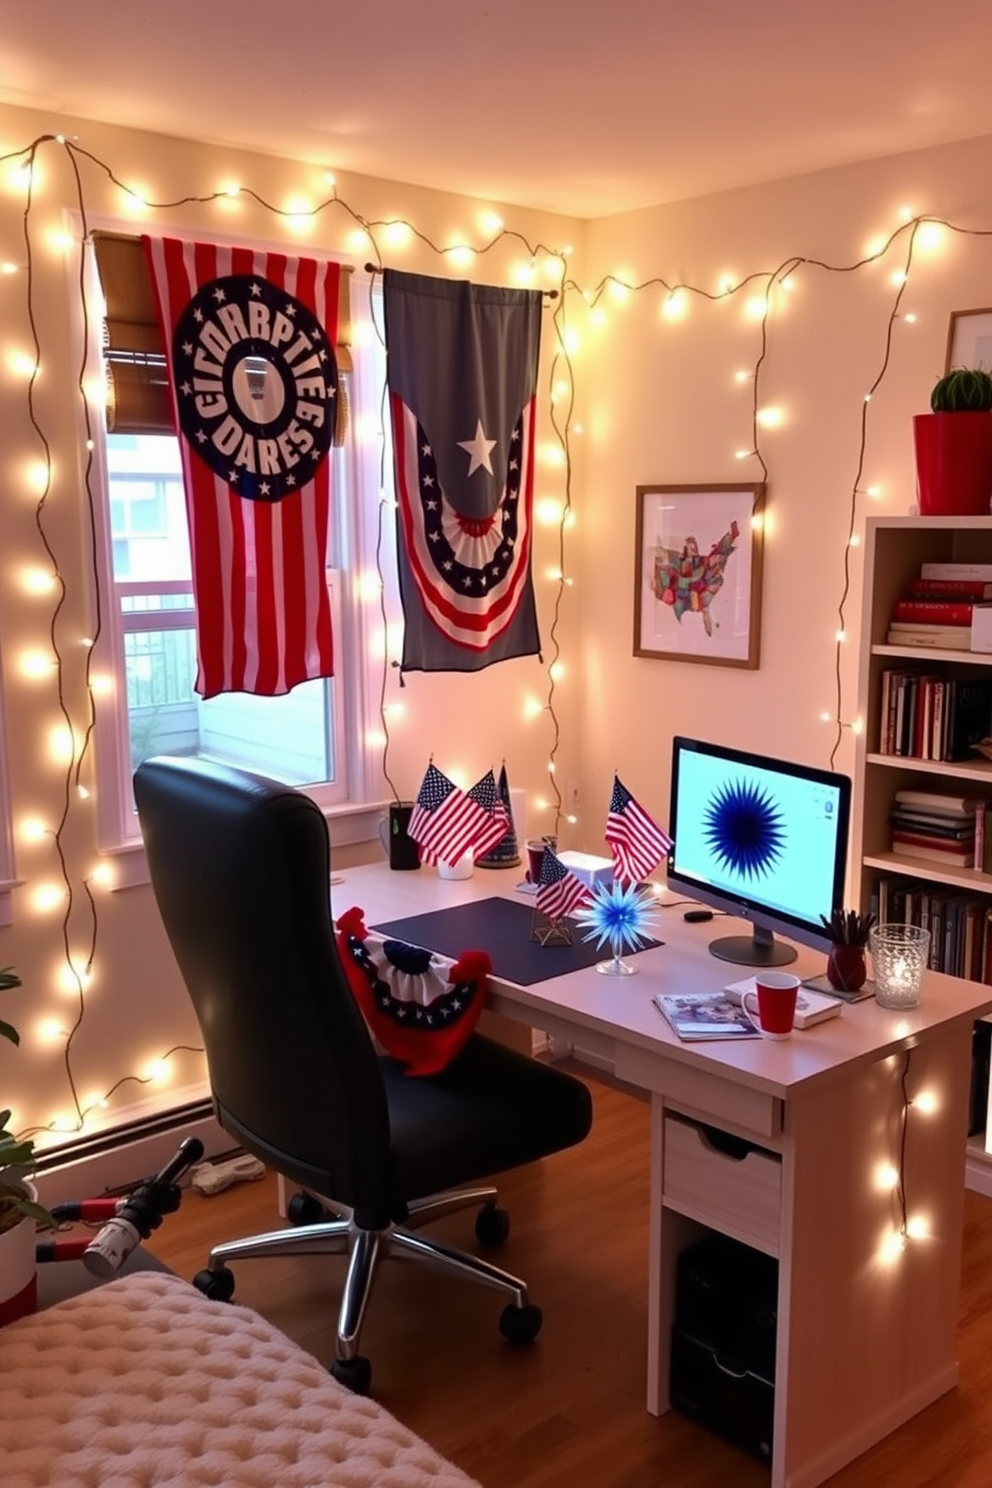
969 340
697 573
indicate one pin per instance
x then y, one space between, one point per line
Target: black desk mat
500 927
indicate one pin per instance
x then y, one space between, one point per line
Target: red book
948 589
933 611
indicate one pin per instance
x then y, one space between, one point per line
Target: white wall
661 405
135 1008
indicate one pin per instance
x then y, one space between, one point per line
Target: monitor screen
761 838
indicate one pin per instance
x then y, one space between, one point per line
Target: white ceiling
580 107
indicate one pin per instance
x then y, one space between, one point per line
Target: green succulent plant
16 1153
962 390
847 927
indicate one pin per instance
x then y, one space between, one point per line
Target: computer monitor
761 838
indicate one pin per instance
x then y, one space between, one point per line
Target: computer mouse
695 916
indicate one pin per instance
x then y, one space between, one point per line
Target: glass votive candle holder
899 955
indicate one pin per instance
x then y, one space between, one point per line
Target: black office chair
240 867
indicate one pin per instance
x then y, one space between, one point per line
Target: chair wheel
520 1325
355 1374
217 1285
304 1209
492 1226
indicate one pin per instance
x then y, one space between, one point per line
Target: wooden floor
570 1409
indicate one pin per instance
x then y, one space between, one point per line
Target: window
315 735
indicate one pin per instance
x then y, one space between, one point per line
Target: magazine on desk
708 1015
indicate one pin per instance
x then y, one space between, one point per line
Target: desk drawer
723 1182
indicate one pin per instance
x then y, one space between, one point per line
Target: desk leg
661 1281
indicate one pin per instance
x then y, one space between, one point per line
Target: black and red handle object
128 1220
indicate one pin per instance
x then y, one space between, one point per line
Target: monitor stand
759 949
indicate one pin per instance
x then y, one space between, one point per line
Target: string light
23 174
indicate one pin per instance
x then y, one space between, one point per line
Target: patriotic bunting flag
637 844
486 794
461 370
445 821
250 340
559 892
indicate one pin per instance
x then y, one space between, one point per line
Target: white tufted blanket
143 1383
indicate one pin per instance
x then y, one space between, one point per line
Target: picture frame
969 340
697 573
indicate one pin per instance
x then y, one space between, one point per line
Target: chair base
366 1249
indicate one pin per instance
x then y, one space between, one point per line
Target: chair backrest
240 867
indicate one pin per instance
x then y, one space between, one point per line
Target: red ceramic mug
774 1003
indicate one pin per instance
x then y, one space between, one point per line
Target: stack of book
936 609
934 826
934 718
960 924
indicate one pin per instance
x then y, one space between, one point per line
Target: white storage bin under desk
724 1183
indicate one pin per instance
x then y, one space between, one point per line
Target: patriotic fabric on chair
250 342
461 366
421 1008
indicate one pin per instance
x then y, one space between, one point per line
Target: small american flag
485 793
637 844
445 821
558 891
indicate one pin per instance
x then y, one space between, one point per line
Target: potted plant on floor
954 446
847 967
20 1212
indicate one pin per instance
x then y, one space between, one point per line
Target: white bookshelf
895 549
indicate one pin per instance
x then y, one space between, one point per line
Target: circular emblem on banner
256 384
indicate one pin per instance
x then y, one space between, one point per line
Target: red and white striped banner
250 339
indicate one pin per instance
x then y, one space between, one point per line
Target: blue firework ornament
621 915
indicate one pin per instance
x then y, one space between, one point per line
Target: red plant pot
953 463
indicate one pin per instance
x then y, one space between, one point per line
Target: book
709 1015
972 571
932 854
939 802
938 638
811 1007
932 611
972 589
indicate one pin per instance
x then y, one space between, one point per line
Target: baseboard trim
115 1160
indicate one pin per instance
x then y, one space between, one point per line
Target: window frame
353 814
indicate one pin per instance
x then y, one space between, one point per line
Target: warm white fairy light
33 829
60 744
770 418
73 976
47 896
743 376
460 255
676 306
102 875
886 1177
756 308
925 1101
548 510
532 706
49 1031
397 234
35 663
917 1227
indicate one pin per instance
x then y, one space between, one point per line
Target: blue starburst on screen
622 915
744 829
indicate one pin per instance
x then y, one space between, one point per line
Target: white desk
866 1335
